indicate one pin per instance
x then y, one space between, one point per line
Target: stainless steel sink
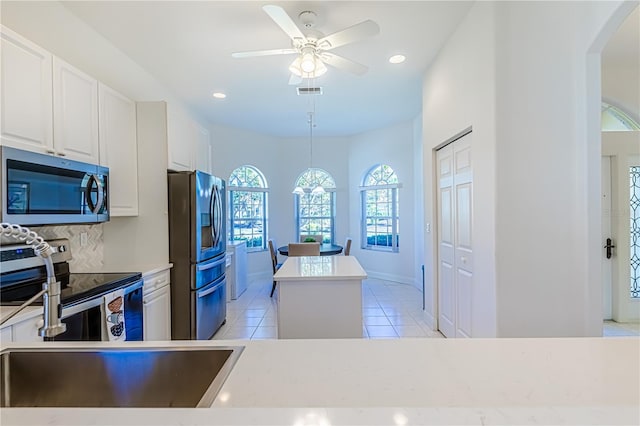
114 377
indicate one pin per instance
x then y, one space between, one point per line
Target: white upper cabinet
75 113
180 139
118 149
202 160
25 94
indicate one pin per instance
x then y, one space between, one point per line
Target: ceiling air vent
309 90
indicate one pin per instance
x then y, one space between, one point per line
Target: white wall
393 146
545 286
458 92
512 73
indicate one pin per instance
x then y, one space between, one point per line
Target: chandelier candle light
318 189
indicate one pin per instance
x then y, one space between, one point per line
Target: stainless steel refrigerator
197 244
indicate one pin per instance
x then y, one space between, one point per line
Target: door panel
607 264
455 238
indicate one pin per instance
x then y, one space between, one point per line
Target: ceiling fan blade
356 32
343 63
294 80
254 53
284 21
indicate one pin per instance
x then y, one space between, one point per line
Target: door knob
609 246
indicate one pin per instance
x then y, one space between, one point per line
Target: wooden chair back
274 256
304 249
347 247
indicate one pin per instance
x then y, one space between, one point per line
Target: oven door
210 309
85 320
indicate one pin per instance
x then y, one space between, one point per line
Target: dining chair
347 246
304 249
317 238
274 263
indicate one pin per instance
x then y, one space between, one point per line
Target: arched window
614 119
315 213
380 218
247 207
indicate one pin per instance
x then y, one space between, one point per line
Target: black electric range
22 275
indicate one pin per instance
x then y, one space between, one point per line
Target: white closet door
455 243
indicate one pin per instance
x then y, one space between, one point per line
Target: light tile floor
617 329
389 310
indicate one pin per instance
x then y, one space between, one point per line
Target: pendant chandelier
318 189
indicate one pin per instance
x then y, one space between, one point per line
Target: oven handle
214 287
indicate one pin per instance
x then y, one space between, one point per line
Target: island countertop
320 268
406 381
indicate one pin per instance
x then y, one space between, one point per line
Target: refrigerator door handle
219 215
211 290
204 267
212 212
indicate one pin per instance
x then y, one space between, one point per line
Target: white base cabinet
23 331
157 306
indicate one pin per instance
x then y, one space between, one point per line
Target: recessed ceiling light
397 59
219 95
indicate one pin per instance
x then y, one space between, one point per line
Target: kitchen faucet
50 289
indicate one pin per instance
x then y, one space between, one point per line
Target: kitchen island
320 297
395 382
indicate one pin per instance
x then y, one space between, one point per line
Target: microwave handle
95 208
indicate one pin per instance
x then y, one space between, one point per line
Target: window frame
264 190
393 196
328 183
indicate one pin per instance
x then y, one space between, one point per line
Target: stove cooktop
75 287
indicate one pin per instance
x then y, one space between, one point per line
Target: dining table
326 249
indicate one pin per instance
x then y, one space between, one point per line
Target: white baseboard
395 278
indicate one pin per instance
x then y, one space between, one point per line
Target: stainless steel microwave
39 189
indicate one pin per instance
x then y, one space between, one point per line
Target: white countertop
320 268
146 269
406 381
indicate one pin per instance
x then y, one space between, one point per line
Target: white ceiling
188 45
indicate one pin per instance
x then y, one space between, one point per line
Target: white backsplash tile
85 258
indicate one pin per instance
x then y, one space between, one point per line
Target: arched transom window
380 217
247 207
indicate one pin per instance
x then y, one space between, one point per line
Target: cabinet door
203 150
27 330
6 335
25 94
75 113
181 138
157 315
118 149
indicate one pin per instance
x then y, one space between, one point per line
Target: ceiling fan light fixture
318 190
308 63
296 69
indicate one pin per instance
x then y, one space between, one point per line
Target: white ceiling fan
313 47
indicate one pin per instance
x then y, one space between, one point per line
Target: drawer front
155 281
